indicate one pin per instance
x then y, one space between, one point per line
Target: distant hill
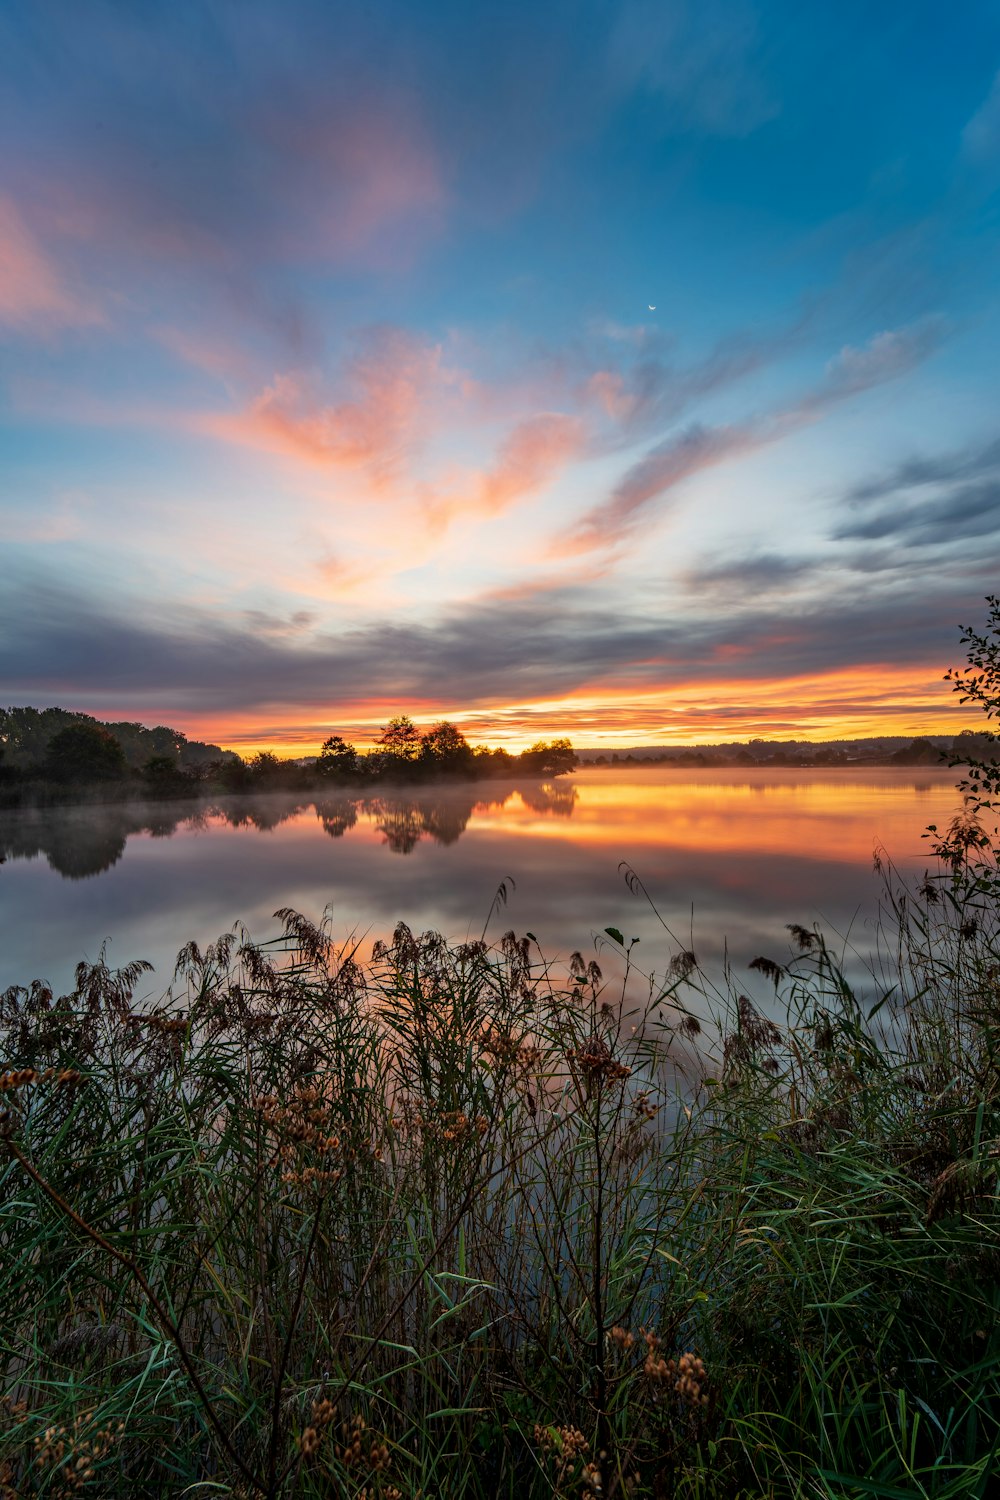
886 749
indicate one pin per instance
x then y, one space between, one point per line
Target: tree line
403 752
56 749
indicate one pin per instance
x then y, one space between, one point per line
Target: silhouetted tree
337 758
264 768
84 752
487 762
400 738
164 778
552 758
445 748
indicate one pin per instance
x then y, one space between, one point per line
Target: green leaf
613 932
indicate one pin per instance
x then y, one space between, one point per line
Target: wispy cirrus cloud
701 59
971 462
971 510
699 447
35 295
981 136
964 501
530 456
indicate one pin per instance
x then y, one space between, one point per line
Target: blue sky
330 384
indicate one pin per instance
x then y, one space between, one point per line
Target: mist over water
729 858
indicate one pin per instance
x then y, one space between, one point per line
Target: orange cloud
33 294
391 383
529 457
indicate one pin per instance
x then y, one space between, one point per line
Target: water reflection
746 854
80 841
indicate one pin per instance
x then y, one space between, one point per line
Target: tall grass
451 1221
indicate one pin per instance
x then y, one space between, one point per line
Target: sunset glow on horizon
618 371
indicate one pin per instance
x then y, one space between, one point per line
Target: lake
729 857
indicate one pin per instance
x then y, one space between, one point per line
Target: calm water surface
730 855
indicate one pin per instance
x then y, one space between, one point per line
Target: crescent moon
651 306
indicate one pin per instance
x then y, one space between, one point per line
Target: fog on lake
729 857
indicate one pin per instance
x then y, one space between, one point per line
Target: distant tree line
54 752
936 750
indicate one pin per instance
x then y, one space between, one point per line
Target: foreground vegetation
449 1223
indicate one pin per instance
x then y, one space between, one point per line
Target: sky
624 371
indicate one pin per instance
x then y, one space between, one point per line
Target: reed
454 1221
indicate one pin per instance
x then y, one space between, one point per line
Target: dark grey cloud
918 471
971 510
751 576
80 652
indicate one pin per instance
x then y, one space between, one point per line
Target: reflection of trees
558 799
76 842
77 851
400 823
406 817
80 841
262 813
337 815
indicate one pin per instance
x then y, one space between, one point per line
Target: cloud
529 457
894 505
739 579
652 391
660 471
482 655
981 136
62 523
33 293
885 357
972 510
699 59
888 355
381 191
913 473
213 356
378 420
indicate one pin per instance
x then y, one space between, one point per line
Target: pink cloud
33 293
213 356
529 457
381 187
61 523
382 417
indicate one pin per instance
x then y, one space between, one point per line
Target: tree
84 752
400 738
264 767
552 758
445 748
979 683
164 778
966 845
337 758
